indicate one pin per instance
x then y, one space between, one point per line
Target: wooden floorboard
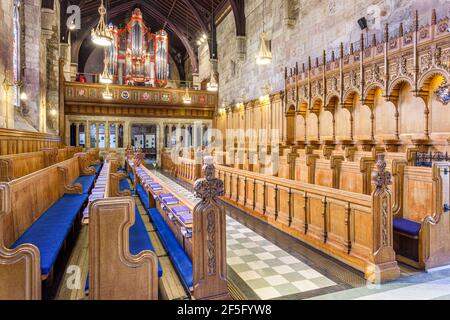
73 282
72 287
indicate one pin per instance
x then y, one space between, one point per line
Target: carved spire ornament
209 238
383 265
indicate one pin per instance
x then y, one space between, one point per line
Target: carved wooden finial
341 50
333 57
381 178
317 62
209 238
374 40
309 62
400 30
361 42
285 72
210 187
351 48
138 158
433 17
303 67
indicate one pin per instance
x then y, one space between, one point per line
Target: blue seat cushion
139 241
142 195
407 226
49 232
139 238
130 174
124 185
86 182
179 257
98 167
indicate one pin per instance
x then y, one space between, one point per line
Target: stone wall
31 27
6 62
317 25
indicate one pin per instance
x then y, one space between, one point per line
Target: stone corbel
66 185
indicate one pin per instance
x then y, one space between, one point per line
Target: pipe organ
137 56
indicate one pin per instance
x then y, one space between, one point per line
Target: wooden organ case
137 56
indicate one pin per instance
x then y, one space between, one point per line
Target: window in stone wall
82 135
93 136
16 50
112 136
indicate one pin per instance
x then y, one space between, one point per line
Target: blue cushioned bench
98 167
87 182
139 241
124 185
130 174
407 227
50 231
143 196
139 238
179 257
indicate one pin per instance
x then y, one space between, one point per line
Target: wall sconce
53 112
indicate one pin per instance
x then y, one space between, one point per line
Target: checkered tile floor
268 270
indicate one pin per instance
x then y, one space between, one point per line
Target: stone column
160 142
107 136
77 133
88 135
116 126
97 134
178 133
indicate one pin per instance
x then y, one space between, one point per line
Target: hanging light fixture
264 56
213 85
101 35
106 77
107 94
187 99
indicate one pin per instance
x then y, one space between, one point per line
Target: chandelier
212 85
107 94
106 77
101 35
264 56
187 99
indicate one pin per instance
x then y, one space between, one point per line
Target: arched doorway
144 136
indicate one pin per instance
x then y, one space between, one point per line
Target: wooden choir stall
193 231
